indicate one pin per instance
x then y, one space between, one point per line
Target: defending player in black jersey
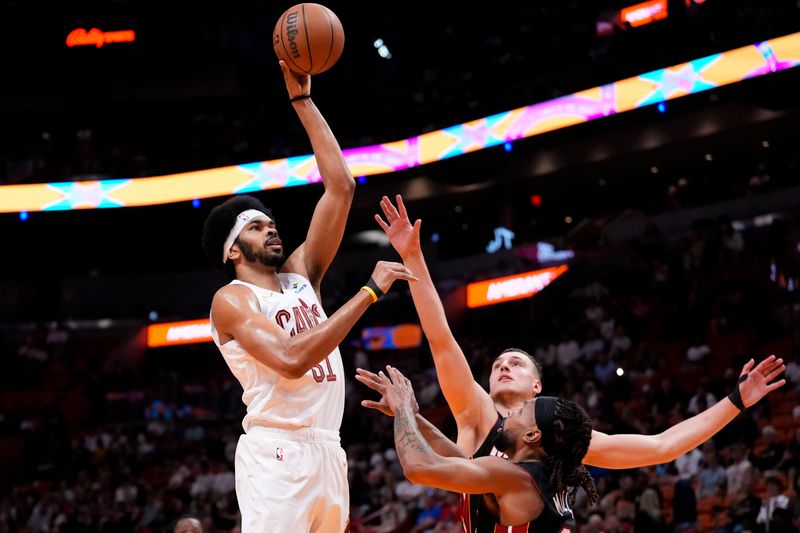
516 377
545 441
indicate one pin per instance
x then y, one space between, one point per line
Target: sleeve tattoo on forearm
407 437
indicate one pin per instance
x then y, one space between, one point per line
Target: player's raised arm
470 404
438 440
236 315
632 451
315 255
422 465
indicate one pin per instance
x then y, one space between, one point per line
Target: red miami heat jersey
314 400
556 517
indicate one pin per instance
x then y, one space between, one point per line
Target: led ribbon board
174 333
653 87
644 13
516 287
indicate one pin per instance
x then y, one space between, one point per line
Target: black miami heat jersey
556 517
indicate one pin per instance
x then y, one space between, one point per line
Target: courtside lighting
382 49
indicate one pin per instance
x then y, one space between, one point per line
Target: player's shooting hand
398 391
397 226
757 383
387 272
296 84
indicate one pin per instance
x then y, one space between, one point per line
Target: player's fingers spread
765 363
372 383
384 226
387 209
366 373
401 206
776 385
391 208
768 369
398 376
775 373
389 371
777 362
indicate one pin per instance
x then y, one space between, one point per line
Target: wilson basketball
309 37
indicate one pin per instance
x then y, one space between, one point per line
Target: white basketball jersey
316 399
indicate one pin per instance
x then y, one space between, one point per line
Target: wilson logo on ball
309 38
291 33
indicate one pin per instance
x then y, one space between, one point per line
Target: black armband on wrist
736 397
300 97
372 288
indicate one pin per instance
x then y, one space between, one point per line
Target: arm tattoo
407 438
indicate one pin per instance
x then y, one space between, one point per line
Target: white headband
242 219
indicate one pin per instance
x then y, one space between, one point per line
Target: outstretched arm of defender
422 465
325 232
632 451
236 314
470 404
438 440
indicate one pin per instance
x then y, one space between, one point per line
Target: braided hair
572 432
218 225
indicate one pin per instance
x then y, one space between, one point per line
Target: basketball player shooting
516 378
269 325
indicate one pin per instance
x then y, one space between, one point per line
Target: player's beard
267 258
501 441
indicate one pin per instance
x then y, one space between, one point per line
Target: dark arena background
653 165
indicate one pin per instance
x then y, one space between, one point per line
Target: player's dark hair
218 225
572 433
536 363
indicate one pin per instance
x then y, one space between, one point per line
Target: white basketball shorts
292 481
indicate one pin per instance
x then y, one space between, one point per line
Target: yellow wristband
371 293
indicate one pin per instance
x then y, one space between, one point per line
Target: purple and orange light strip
653 87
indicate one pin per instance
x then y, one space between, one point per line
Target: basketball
309 37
